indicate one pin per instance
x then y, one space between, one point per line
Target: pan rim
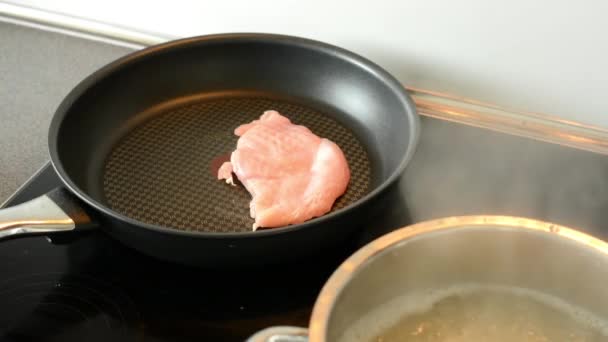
390 81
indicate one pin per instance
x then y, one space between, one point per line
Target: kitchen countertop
37 69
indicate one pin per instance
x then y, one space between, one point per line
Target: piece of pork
292 174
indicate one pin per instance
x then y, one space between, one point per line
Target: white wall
545 55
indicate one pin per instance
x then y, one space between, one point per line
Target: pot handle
280 334
55 211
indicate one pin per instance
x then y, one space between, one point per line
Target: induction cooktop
92 288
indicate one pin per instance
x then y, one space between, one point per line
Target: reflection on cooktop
57 307
92 288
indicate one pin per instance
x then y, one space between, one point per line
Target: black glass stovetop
94 289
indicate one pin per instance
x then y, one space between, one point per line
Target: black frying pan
139 141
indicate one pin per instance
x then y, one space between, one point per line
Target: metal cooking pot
499 250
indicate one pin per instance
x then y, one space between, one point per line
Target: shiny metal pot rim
322 310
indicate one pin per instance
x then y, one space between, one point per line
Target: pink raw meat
292 174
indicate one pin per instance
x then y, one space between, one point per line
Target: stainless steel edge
537 126
37 216
80 27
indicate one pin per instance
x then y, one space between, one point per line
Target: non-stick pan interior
143 135
163 171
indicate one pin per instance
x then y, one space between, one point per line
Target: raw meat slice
292 174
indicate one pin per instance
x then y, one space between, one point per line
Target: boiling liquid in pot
478 313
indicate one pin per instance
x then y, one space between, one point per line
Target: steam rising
460 170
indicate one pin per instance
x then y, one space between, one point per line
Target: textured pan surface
163 171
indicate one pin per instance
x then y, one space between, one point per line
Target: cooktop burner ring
53 306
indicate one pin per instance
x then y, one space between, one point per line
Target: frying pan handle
56 211
280 334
